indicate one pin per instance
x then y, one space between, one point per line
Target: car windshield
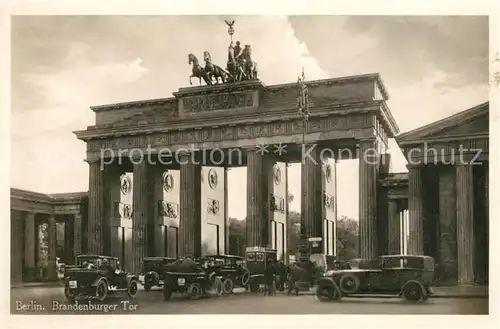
93 261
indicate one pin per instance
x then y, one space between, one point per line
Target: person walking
295 276
270 277
282 276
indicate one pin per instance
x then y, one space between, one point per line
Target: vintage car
187 276
229 268
153 271
96 277
256 261
398 275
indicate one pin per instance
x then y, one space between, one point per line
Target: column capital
92 160
414 166
371 139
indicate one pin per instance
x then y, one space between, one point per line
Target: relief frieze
201 103
226 133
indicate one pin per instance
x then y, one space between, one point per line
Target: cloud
404 48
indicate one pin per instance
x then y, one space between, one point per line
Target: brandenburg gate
158 168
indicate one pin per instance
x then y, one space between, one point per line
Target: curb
392 296
36 285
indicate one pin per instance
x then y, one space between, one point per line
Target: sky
432 67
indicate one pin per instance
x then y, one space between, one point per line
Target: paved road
247 303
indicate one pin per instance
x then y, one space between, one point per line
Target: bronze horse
198 71
214 71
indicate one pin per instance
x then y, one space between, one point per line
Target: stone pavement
444 292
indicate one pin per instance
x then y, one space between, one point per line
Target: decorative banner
277 204
168 209
213 206
329 201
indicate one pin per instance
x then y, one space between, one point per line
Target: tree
237 236
347 238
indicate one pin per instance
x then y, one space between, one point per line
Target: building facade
45 228
440 207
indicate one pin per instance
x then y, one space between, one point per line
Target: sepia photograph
250 164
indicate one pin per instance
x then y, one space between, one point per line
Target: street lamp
303 107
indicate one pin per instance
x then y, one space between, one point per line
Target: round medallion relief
168 182
125 184
213 179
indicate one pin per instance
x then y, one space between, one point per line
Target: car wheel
70 296
414 292
132 288
194 291
228 286
326 292
102 290
254 285
147 286
349 284
167 294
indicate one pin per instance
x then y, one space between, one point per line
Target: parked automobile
256 261
187 276
96 277
399 275
229 268
153 273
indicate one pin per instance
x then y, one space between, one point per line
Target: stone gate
158 181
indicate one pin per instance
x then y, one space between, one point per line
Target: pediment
471 122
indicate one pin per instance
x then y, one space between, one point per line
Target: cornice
220 88
48 199
340 80
106 131
244 85
444 139
149 102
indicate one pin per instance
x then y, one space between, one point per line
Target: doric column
311 221
394 228
465 224
368 165
258 169
226 213
77 233
447 260
95 234
140 214
29 240
415 210
51 273
190 208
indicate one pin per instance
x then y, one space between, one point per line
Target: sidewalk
443 292
37 284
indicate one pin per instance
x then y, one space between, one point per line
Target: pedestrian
270 276
294 278
282 276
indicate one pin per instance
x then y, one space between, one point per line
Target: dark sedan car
96 277
400 275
